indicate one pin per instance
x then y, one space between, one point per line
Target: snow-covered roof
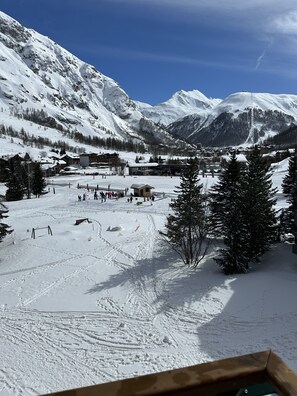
73 156
47 166
239 157
144 165
46 161
53 155
140 186
70 168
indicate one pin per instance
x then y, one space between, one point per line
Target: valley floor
88 305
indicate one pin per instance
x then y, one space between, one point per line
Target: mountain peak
44 85
182 103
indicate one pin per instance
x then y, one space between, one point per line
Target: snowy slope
242 117
181 104
241 101
87 305
37 75
45 84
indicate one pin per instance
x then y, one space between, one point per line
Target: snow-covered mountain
44 84
181 104
47 92
241 118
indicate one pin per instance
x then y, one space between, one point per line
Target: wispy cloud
264 8
286 23
128 54
259 60
231 27
280 68
255 16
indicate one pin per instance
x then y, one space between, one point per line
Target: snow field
87 305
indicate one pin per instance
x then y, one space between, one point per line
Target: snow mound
115 228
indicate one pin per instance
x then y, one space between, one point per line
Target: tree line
20 183
239 211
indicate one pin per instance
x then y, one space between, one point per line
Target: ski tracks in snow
88 348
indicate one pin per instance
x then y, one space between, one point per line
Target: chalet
142 190
53 168
142 169
100 160
71 159
155 169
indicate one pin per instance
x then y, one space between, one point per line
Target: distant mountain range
241 118
44 86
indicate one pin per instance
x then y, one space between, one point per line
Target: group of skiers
110 195
103 196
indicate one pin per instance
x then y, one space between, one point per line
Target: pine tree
15 190
187 226
4 171
224 191
289 180
289 186
38 182
294 208
4 228
227 211
259 200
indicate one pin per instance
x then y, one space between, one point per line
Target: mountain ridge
241 118
68 95
38 75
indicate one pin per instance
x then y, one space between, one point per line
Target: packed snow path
88 305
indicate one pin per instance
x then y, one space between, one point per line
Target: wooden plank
207 379
281 376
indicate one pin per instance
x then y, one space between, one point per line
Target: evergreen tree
16 167
227 212
289 180
4 228
259 200
294 208
289 186
187 226
223 192
4 171
15 189
38 182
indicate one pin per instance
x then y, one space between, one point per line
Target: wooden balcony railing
229 377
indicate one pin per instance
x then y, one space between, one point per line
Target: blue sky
154 48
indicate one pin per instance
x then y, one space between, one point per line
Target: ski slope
87 305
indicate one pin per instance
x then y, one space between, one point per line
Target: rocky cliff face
38 76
